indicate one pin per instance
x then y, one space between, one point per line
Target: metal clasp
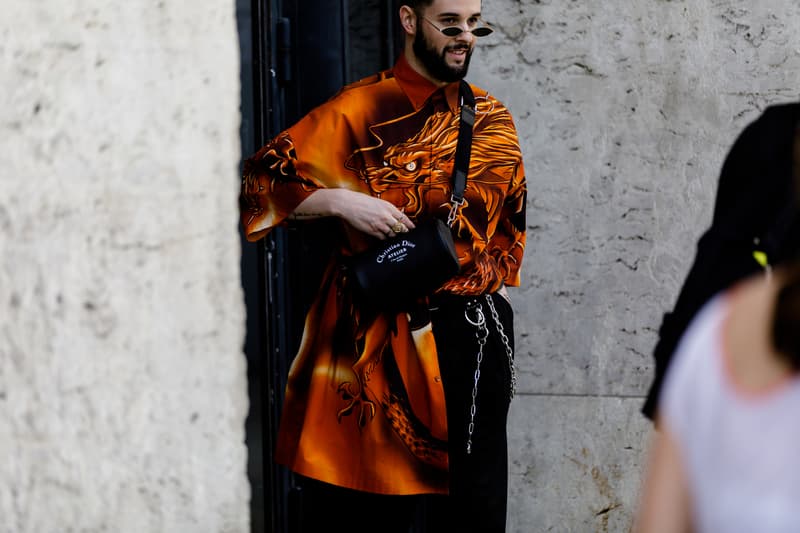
455 205
480 319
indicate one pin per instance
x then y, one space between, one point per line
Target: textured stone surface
625 112
122 385
576 463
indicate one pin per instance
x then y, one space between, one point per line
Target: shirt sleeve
306 157
507 244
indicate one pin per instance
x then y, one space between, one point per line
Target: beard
435 63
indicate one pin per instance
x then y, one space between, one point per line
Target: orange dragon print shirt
364 405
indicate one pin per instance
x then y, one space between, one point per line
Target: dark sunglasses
454 31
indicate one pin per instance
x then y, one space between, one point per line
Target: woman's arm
665 505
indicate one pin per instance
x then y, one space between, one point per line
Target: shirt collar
418 89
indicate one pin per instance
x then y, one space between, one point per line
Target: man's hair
416 5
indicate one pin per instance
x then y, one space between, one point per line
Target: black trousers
479 479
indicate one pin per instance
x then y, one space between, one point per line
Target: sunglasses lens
482 31
452 31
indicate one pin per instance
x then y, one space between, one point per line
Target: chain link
482 334
509 350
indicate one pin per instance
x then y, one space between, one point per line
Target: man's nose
466 34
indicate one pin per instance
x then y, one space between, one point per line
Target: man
380 407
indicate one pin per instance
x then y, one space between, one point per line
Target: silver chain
509 350
482 334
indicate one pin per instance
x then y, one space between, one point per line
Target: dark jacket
754 210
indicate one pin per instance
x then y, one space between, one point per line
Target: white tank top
741 449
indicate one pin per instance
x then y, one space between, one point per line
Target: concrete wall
122 382
625 112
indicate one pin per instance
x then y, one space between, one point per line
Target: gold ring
399 227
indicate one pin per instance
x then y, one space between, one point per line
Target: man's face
446 59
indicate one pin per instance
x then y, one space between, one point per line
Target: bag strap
463 148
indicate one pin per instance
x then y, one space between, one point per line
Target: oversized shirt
364 405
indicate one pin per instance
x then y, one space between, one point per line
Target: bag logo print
396 252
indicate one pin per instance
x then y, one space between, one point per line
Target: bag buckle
455 205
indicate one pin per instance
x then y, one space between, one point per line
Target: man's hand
365 213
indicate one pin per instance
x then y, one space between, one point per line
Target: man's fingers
401 218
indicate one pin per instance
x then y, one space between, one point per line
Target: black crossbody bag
412 265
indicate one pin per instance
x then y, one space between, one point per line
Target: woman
725 458
753 214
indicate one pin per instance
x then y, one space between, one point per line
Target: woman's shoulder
707 321
692 366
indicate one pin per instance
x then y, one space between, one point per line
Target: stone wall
122 382
625 112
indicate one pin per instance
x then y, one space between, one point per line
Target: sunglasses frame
455 31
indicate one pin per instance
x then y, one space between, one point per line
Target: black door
294 54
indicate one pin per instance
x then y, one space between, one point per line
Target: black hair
786 318
417 5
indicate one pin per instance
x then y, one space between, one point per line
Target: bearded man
382 407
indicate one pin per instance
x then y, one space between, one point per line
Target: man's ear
408 19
